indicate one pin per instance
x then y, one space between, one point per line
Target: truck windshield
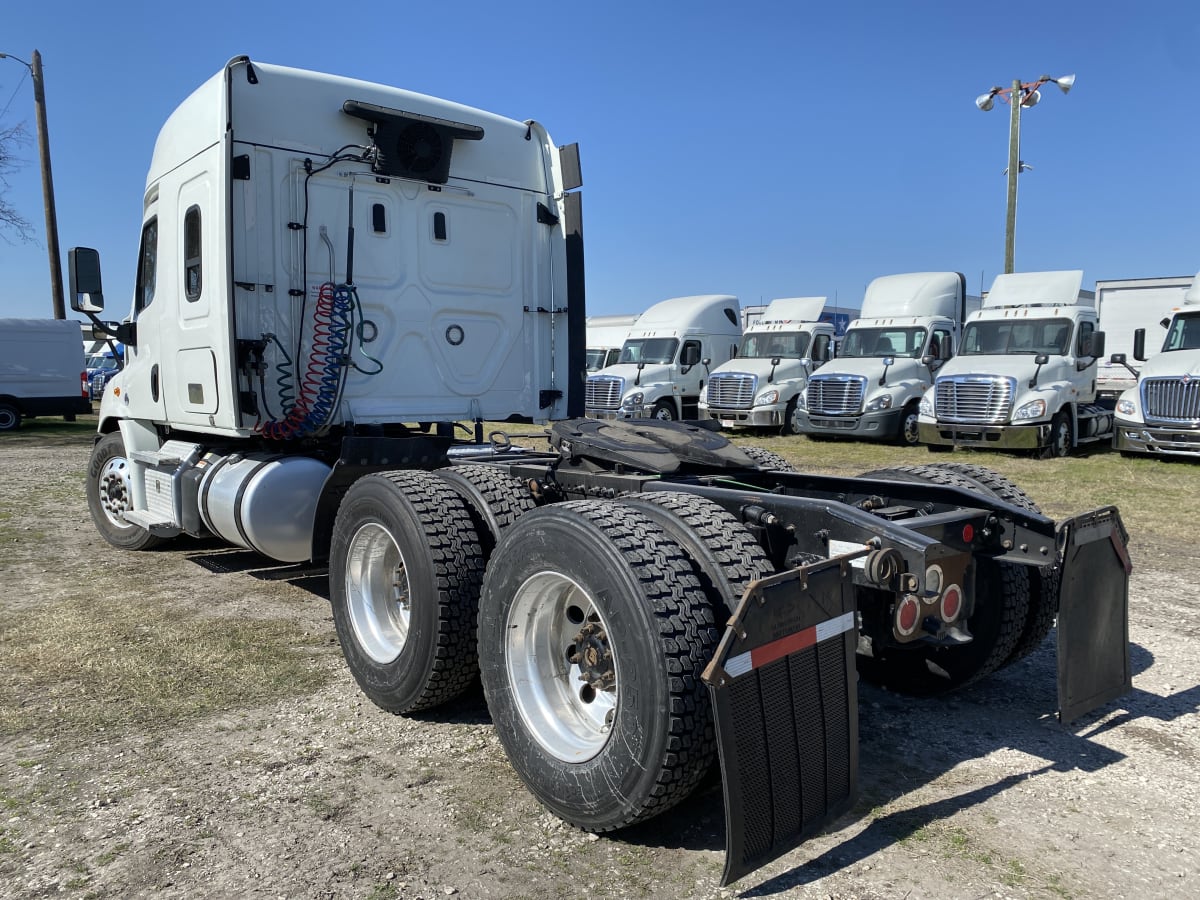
784 344
595 359
1184 333
101 362
649 350
881 342
1011 338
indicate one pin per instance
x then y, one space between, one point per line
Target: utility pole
43 134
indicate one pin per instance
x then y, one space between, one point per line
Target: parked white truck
42 371
666 359
334 274
1160 415
605 337
760 386
908 328
1124 306
1025 375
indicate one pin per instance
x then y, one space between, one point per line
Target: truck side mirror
1139 344
1094 345
87 292
1117 359
690 355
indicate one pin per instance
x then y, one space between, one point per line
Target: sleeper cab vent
411 145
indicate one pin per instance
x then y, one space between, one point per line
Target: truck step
161 457
151 521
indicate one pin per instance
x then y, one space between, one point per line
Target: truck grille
604 392
836 395
1174 400
974 399
734 390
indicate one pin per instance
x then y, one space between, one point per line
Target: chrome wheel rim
562 667
378 594
114 490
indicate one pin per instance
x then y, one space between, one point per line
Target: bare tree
12 222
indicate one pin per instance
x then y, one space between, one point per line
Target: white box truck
908 327
1124 306
41 371
759 387
605 338
1025 375
334 274
1160 415
666 359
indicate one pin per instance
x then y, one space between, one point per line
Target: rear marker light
951 603
908 614
968 533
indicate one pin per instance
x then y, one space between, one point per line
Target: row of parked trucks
334 276
1022 368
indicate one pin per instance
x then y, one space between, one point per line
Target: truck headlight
883 401
767 397
1126 407
1034 409
926 408
633 400
802 400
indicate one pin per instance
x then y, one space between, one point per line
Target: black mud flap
1093 615
785 700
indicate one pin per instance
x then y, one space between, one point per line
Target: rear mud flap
1093 615
785 700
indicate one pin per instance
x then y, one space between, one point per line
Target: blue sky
760 149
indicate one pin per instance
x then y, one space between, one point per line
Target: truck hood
1019 367
1173 362
761 368
652 373
904 369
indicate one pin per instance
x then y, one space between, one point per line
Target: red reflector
951 603
908 611
968 533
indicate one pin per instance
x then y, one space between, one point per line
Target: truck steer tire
791 418
766 459
593 632
109 496
1044 581
494 498
405 569
1059 445
910 434
10 417
1002 596
726 555
664 411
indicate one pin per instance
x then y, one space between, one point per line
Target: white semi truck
666 359
908 328
333 275
42 371
1160 415
1124 306
1025 375
605 337
760 387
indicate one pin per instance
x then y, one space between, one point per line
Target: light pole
43 133
1022 93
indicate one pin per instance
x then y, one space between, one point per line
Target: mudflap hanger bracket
785 702
1093 612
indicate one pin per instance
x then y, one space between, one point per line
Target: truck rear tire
791 418
767 459
495 498
593 632
727 556
109 496
1044 581
405 570
10 417
1002 596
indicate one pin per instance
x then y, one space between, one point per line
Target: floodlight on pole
43 134
1026 94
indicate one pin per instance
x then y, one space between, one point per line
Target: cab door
139 388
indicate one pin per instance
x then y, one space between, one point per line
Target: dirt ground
321 795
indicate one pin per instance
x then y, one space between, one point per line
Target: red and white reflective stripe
768 653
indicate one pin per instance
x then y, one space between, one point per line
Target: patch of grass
111 855
79 664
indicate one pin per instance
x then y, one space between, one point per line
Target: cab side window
1085 331
147 266
192 274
